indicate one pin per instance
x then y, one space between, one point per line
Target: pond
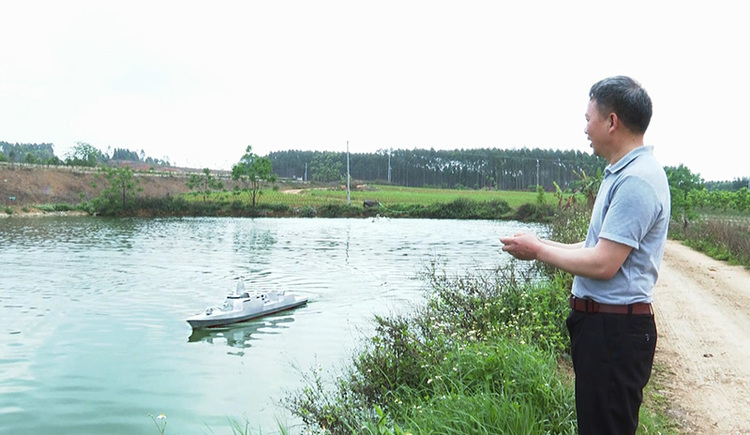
93 337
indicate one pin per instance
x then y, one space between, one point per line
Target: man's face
596 128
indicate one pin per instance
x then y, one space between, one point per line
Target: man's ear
614 121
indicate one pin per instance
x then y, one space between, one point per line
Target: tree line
83 154
487 168
43 153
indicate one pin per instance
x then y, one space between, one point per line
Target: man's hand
523 246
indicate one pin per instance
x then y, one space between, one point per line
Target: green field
387 196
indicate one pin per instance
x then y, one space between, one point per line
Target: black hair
626 98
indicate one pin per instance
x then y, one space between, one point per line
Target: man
611 324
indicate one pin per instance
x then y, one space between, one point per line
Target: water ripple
93 336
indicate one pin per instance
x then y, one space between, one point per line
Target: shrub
463 208
56 207
307 211
339 210
534 213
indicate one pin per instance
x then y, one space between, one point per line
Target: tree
119 192
30 158
125 154
204 183
327 167
489 168
681 183
85 155
27 152
253 172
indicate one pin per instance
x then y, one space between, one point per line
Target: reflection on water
240 335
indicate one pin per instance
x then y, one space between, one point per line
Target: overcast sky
196 82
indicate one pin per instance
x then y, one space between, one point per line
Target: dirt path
703 316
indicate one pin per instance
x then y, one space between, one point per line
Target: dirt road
702 311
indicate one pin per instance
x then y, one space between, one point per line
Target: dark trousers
612 358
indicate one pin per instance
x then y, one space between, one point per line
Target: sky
196 82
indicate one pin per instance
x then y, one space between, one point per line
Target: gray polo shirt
632 208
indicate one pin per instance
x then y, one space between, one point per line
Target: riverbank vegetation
120 196
486 352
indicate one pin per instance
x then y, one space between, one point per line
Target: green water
93 337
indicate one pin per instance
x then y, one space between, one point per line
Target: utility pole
348 178
389 165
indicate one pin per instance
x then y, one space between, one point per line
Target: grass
653 417
725 238
496 386
413 195
57 207
386 195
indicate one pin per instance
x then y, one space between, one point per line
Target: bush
570 224
277 208
463 208
534 213
57 207
339 210
307 211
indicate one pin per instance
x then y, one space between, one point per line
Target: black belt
591 307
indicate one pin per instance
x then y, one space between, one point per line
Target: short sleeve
632 212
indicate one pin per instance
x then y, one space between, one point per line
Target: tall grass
494 386
726 240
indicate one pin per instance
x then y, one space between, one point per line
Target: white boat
243 305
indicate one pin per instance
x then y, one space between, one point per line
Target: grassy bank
382 200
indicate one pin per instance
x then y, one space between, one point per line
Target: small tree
204 183
681 183
253 172
119 191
